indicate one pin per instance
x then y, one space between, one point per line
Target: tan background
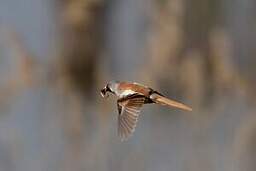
56 55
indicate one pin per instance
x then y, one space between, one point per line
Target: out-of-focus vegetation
56 55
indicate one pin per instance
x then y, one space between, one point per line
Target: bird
131 97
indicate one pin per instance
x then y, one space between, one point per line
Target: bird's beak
103 92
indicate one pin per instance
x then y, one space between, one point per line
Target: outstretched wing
129 109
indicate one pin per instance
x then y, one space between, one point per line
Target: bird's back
127 88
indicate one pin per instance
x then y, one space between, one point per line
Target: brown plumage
159 99
131 98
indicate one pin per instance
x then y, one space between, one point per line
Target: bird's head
109 88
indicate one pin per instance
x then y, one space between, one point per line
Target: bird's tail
159 99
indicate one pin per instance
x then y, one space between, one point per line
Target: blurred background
55 55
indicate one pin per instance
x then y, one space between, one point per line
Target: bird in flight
131 98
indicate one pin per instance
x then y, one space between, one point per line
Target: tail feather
165 101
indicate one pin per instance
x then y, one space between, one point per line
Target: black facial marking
108 89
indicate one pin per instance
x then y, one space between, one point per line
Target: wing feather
128 115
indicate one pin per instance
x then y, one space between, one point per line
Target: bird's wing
129 109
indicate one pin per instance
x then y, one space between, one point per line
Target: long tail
157 98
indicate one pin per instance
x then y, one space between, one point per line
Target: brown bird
131 98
